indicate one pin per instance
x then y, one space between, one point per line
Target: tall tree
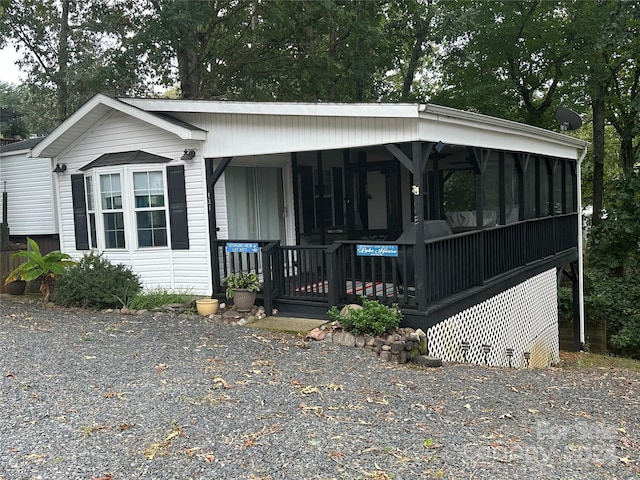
506 58
200 44
74 49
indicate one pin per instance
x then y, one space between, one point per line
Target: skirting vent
517 328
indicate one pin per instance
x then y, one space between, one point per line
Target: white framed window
150 209
130 207
112 212
91 212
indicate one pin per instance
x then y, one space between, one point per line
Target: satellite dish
568 119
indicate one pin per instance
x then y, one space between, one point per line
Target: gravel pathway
93 395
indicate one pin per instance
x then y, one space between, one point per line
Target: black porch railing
336 275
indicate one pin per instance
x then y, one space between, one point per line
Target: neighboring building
28 183
320 199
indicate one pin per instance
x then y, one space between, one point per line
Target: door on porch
376 196
255 203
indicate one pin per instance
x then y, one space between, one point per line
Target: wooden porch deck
310 279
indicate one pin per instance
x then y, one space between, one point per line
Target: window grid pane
113 217
114 230
148 189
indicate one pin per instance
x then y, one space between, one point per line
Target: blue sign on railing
233 247
377 250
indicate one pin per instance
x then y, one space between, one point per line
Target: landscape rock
426 361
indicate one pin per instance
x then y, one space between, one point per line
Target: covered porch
491 218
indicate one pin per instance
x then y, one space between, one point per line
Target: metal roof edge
393 110
441 113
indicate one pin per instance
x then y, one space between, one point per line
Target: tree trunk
189 70
627 159
416 54
598 108
63 61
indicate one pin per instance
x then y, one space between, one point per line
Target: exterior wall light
189 154
60 168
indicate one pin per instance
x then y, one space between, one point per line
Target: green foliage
373 318
158 298
616 299
45 268
613 245
243 280
94 282
565 305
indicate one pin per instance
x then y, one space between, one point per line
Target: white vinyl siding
30 201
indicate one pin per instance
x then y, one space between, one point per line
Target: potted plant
242 288
44 268
15 287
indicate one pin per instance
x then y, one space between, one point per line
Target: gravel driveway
93 395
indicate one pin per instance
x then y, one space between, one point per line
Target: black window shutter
178 208
79 212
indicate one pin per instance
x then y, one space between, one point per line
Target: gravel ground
94 395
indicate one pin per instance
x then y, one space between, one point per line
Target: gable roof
96 108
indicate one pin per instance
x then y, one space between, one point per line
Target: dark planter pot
243 299
16 287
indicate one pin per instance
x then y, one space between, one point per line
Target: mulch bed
94 395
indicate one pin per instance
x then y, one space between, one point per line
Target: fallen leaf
533 411
507 415
334 387
220 382
308 390
625 460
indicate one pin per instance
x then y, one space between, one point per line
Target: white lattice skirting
523 318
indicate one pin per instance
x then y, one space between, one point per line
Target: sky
9 72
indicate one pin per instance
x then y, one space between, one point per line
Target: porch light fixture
509 355
465 346
527 357
189 154
439 147
60 168
486 349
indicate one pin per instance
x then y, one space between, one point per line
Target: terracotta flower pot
207 306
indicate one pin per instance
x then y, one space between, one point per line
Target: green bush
94 282
373 318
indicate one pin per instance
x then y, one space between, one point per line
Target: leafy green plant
373 318
243 280
45 268
94 282
157 298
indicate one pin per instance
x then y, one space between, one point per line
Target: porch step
288 324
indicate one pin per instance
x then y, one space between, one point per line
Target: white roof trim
452 115
386 110
49 146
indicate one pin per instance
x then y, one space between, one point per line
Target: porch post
212 176
420 251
